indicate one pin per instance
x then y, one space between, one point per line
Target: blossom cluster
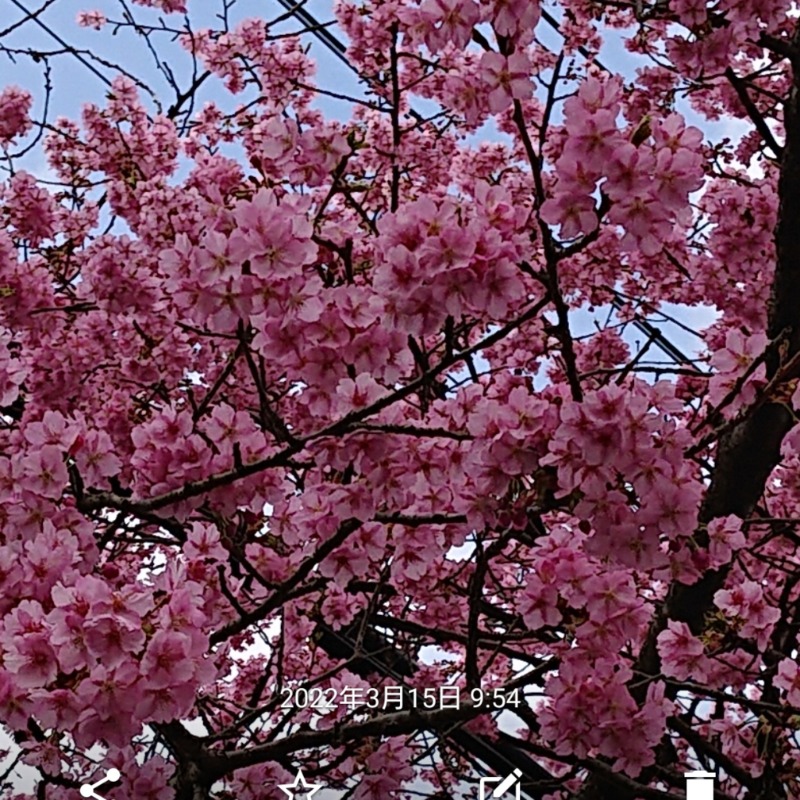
646 175
275 387
15 106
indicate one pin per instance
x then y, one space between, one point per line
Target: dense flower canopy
295 407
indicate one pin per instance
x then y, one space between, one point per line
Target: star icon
300 789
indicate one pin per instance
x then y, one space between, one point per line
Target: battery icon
699 785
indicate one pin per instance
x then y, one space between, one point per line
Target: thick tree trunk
748 452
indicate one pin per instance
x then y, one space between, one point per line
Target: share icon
88 789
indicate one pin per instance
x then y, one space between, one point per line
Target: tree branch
753 112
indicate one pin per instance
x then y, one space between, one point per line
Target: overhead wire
337 47
319 30
34 17
469 745
485 752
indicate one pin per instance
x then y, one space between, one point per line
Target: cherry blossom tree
303 462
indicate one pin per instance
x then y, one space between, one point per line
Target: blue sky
75 83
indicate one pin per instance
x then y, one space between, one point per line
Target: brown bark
746 453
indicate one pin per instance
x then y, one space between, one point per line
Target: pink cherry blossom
32 661
166 660
746 602
477 371
15 105
505 79
682 654
92 19
788 679
575 213
449 20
